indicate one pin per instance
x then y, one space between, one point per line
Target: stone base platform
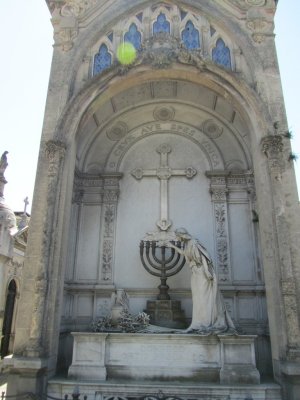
125 390
225 359
166 313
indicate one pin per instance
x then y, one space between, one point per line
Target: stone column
273 148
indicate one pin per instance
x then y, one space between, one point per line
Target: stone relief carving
14 269
260 28
272 147
164 113
107 258
76 7
110 198
117 131
109 219
212 129
162 50
55 151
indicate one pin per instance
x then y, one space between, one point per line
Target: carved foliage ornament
272 147
162 50
76 7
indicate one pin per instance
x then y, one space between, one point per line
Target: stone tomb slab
185 357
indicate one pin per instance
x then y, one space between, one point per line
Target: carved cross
26 203
164 173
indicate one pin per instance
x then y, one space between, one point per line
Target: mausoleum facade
192 133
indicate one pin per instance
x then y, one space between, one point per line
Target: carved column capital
218 194
272 147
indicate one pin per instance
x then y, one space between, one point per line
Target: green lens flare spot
126 53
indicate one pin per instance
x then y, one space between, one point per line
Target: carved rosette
272 147
110 200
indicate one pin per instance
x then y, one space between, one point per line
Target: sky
26 39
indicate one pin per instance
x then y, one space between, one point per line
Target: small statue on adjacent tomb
209 311
3 163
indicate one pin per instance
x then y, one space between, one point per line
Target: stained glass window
221 54
133 36
102 60
190 36
161 24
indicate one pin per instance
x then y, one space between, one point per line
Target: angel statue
3 163
209 311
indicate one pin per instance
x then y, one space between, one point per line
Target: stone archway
6 341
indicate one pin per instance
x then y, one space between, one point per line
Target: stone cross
26 202
164 173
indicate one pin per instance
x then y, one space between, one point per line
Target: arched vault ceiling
178 107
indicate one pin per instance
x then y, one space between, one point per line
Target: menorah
161 261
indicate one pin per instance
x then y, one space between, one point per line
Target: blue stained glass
102 60
190 36
133 36
161 24
221 54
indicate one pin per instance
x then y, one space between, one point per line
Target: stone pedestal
238 361
88 357
167 313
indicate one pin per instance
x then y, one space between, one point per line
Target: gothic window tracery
102 60
133 36
161 24
190 36
221 54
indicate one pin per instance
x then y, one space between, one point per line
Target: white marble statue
209 311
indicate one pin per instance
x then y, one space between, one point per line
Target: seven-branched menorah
163 265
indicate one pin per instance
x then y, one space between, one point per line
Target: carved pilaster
272 147
108 226
54 152
288 289
218 190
